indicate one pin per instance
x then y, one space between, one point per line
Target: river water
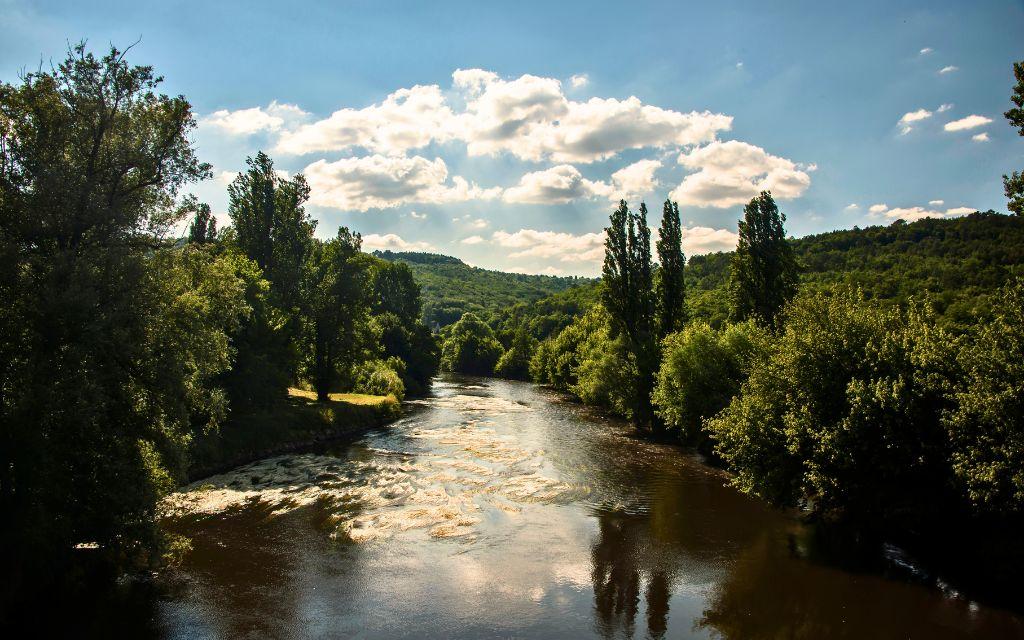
497 509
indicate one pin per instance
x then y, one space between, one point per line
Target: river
498 509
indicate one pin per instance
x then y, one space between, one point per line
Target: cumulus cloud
566 247
911 214
698 240
244 122
382 181
557 185
980 137
948 69
732 172
635 180
373 241
472 240
579 80
970 122
529 117
406 119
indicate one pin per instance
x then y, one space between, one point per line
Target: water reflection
498 510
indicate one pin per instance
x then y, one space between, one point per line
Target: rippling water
495 509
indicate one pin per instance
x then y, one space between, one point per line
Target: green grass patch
297 422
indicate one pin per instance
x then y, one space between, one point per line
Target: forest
869 376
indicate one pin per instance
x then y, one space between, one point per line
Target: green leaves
764 271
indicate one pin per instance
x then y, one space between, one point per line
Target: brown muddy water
496 509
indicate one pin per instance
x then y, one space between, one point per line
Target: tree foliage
671 282
763 273
1013 184
469 346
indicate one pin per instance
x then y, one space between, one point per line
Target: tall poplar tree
629 297
764 270
671 285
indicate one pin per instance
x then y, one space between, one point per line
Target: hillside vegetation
450 287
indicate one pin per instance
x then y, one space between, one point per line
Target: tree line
120 344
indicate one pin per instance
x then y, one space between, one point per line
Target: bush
987 426
701 370
843 412
380 378
515 362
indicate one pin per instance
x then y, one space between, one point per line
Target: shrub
381 378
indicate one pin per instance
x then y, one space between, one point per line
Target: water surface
497 509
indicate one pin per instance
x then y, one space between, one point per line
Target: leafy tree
470 347
515 362
764 270
627 295
109 340
987 426
1014 183
702 370
844 412
272 226
380 378
397 310
337 303
671 283
204 226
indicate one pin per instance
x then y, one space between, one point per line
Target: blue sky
502 133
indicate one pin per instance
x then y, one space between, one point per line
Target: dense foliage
469 346
763 273
119 346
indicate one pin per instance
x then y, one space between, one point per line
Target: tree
204 226
628 296
515 362
272 226
671 285
764 270
397 310
1014 183
337 302
470 347
109 339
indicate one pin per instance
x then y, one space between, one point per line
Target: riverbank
300 422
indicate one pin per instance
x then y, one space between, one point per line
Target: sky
505 133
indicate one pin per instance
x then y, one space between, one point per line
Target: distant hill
451 287
959 263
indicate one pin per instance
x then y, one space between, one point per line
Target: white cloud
406 119
912 116
472 240
635 180
948 69
417 216
944 107
970 122
244 122
980 137
911 214
853 206
528 117
557 185
380 182
739 65
926 51
567 247
732 172
698 240
579 80
393 242
936 203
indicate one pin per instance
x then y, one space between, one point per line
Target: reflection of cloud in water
469 469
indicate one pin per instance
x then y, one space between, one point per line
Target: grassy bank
299 422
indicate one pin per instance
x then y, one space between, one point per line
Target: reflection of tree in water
622 559
772 592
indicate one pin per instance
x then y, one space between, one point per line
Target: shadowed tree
628 295
1013 184
764 271
204 226
671 284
